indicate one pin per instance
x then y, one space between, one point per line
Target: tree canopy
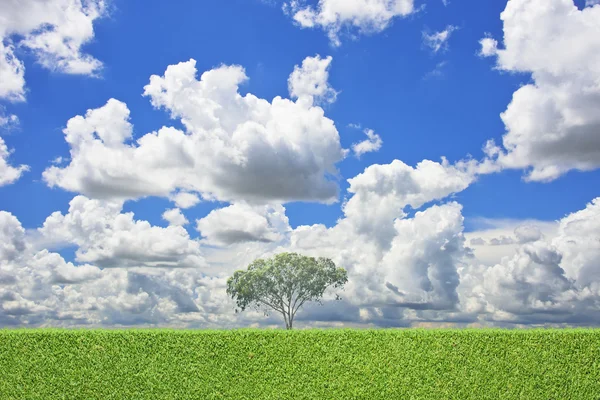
284 283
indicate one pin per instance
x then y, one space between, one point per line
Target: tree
284 283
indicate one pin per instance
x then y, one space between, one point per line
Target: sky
445 153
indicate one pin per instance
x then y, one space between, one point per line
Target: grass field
303 364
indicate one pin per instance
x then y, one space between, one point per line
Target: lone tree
284 283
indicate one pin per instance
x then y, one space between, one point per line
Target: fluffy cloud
528 233
8 173
373 143
367 16
421 265
244 223
185 200
546 280
108 238
175 217
415 277
552 124
404 280
422 273
235 147
437 41
38 288
12 74
489 47
381 193
312 80
55 30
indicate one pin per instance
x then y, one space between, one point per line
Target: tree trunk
285 318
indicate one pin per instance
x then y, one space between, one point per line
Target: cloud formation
312 80
364 16
108 238
234 148
437 41
8 173
371 144
241 222
546 280
54 30
552 124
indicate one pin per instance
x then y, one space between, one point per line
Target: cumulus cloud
365 16
437 41
528 233
175 217
38 288
381 193
312 80
235 147
54 30
108 238
244 223
422 273
501 241
552 124
185 200
547 280
489 47
415 276
8 174
392 284
373 143
421 265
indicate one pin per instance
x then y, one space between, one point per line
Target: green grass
307 364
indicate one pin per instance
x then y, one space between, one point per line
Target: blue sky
382 78
423 104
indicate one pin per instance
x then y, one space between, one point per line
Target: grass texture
303 364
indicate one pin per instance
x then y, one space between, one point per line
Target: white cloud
421 265
528 233
591 3
131 293
517 231
550 278
8 173
8 121
244 223
12 74
55 30
312 80
422 273
437 41
373 143
501 241
234 148
366 16
552 124
175 217
38 288
489 47
185 200
381 193
108 238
